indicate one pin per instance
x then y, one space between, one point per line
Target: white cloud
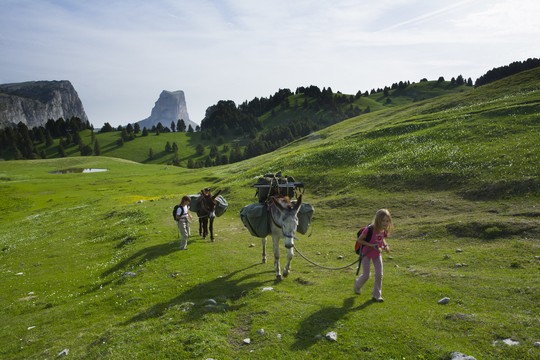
504 18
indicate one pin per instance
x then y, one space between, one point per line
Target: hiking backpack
357 246
174 211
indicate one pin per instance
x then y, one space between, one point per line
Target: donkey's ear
216 194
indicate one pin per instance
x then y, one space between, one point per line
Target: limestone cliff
171 106
35 102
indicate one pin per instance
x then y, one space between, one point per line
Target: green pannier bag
305 214
255 218
221 205
194 205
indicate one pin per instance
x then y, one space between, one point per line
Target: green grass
459 174
138 149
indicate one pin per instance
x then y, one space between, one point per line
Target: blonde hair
379 217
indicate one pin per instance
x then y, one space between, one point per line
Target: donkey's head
208 202
284 214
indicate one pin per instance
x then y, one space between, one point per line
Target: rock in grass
536 344
186 306
510 342
129 274
63 353
459 356
247 341
332 336
444 301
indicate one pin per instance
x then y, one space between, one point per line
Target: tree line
318 109
507 70
22 142
178 126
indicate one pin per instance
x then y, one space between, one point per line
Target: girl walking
371 252
184 217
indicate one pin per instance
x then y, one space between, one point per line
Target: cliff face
171 106
35 102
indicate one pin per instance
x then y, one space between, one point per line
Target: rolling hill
89 261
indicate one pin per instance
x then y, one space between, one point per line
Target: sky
121 54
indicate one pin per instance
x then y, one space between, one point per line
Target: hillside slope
481 142
90 266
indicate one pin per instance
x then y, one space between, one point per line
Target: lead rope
321 266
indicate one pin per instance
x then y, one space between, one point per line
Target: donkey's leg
205 228
275 239
263 243
211 227
200 226
290 254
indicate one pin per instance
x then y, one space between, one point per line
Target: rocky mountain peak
170 106
35 102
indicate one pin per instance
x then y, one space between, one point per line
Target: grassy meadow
90 262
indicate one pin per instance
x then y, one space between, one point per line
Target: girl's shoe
377 299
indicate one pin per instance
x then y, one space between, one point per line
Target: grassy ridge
459 173
138 150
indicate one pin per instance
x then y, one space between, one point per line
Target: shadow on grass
323 321
228 287
142 256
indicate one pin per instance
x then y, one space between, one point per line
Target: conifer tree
181 125
199 149
97 149
61 151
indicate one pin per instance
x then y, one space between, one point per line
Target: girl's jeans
378 266
183 227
